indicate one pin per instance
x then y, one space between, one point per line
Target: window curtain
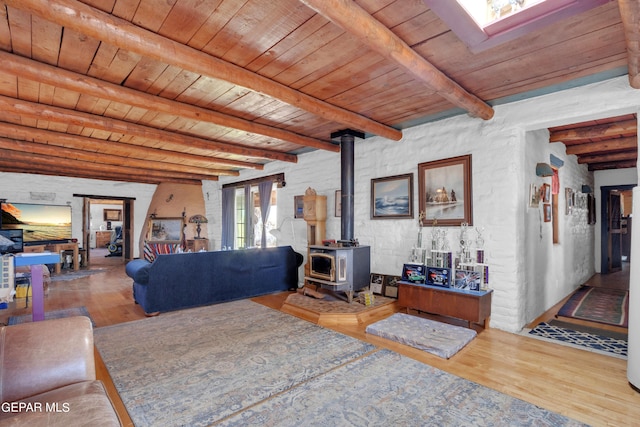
228 218
264 188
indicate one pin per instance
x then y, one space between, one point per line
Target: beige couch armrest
37 357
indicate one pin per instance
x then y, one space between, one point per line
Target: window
242 213
483 24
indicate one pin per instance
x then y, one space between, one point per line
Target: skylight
482 24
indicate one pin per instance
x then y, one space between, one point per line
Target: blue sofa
177 281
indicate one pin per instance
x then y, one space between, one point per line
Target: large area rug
241 363
580 339
437 338
54 314
602 305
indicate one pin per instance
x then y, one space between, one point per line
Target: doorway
614 227
107 229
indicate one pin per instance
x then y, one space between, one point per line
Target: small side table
196 245
36 260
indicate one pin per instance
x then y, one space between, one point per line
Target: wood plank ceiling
184 90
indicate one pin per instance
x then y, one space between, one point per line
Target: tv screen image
38 222
11 241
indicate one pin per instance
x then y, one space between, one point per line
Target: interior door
127 229
615 232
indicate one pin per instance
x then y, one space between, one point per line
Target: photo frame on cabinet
444 188
165 230
392 197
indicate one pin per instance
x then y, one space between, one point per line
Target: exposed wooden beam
617 144
43 73
118 32
93 145
62 115
376 36
627 127
40 169
607 158
92 157
31 162
630 14
613 165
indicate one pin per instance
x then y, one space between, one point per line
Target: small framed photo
534 196
338 203
391 286
545 193
298 205
547 212
376 283
468 280
112 214
439 277
414 273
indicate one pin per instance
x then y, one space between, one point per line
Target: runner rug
589 341
609 306
241 363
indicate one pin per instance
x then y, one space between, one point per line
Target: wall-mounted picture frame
165 230
534 196
547 212
392 197
569 198
298 206
376 283
545 193
444 190
112 214
338 203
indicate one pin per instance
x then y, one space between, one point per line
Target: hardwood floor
586 386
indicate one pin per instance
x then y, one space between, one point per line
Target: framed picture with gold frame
112 214
165 230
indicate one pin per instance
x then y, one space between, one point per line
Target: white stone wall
528 274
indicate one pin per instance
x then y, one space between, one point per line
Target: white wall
26 188
503 166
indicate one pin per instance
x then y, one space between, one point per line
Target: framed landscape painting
444 188
392 197
165 230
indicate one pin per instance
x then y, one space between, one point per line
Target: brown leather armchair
48 376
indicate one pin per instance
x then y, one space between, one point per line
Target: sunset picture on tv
38 222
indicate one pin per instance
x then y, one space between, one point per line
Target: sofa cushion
85 403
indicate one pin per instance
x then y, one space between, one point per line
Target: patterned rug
437 338
585 340
55 314
241 363
609 306
331 304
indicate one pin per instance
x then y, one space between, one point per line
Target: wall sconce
198 219
544 169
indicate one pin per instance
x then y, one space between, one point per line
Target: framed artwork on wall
444 188
534 196
338 203
165 230
298 206
392 197
547 212
112 214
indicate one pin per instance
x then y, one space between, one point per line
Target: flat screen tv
11 241
39 223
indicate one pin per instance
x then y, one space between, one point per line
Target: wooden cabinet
103 238
472 306
196 245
